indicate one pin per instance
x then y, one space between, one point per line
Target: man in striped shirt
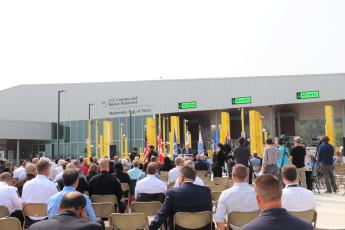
270 158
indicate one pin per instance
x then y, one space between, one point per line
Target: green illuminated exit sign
241 100
308 94
187 105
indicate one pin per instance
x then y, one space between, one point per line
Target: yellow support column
151 131
126 147
163 133
178 134
121 138
141 154
225 122
260 143
252 130
111 124
255 125
329 125
106 138
175 125
171 144
101 146
96 136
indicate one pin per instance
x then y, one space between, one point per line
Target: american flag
160 147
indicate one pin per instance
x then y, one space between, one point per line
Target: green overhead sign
241 100
187 105
308 94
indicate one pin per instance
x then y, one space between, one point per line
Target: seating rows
141 213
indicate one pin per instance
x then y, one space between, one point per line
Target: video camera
316 141
284 140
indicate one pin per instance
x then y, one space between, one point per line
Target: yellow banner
151 131
329 125
225 129
255 126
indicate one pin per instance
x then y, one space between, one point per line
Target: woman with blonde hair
93 170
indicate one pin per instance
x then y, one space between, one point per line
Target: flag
200 144
228 139
175 145
215 141
160 147
147 149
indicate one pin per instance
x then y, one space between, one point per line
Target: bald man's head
74 202
104 165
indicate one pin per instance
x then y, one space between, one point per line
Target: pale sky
92 41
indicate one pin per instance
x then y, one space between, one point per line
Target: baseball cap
298 139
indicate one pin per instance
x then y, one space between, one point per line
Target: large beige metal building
29 113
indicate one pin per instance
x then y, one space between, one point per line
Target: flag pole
242 122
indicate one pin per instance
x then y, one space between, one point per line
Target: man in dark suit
273 216
188 197
106 184
71 217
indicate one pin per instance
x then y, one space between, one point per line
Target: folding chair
4 211
239 219
10 223
309 216
126 188
216 188
150 209
222 181
201 173
103 211
35 210
215 195
164 175
193 220
105 198
171 185
207 181
128 221
256 170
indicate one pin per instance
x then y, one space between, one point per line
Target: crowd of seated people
66 186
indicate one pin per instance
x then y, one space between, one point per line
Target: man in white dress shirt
58 169
175 172
197 181
19 170
22 175
39 189
150 184
9 196
239 198
295 198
